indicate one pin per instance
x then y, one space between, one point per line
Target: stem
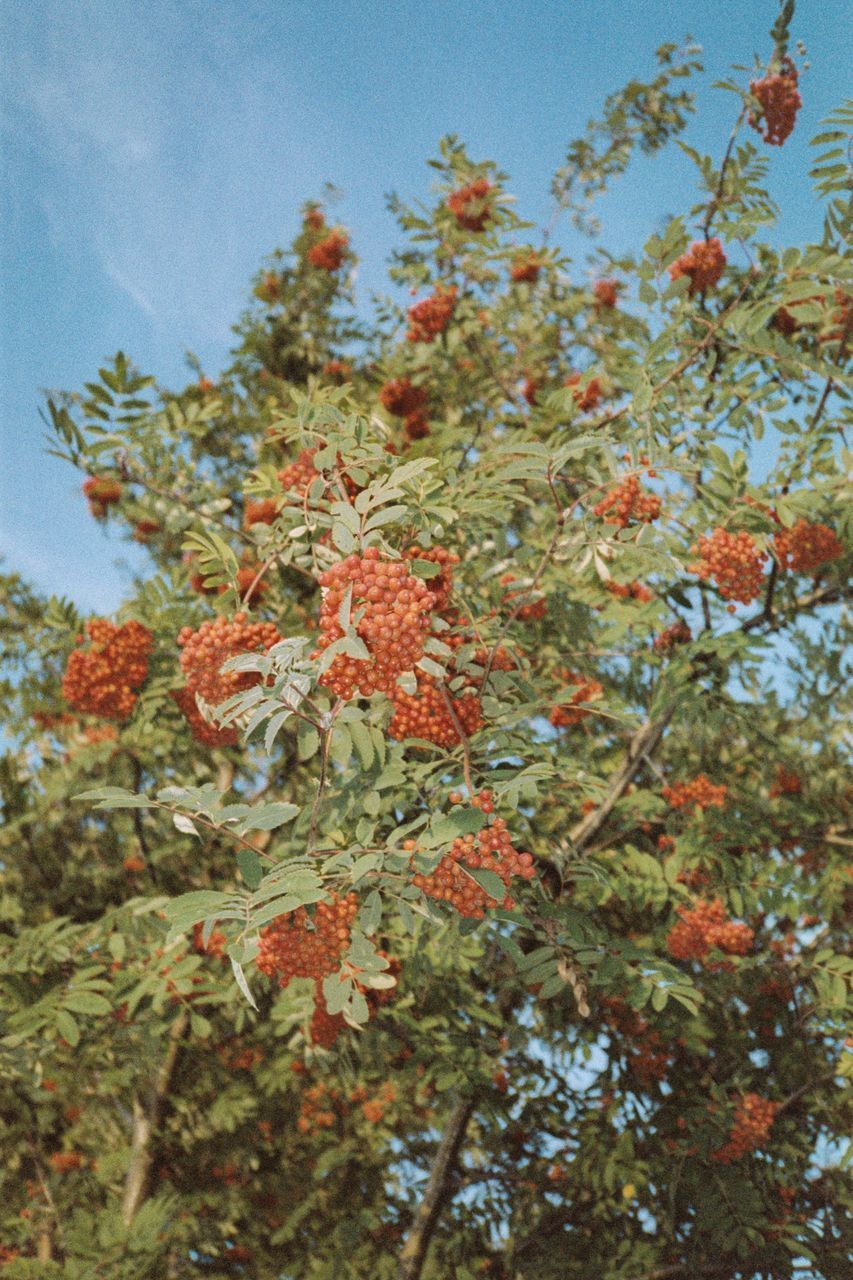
436 1193
324 769
145 1121
714 202
463 738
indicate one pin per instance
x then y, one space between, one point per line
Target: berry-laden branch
436 1193
146 1118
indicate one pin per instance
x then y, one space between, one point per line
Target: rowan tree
438 866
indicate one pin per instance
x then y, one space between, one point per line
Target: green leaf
268 817
487 880
250 867
67 1028
86 1002
240 979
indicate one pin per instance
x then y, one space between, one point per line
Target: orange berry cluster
490 850
217 640
65 1161
250 588
572 712
144 530
606 292
374 1108
101 493
700 793
298 476
296 945
102 681
589 396
751 1127
780 101
533 610
401 397
215 944
531 389
627 503
338 370
431 316
703 263
316 1109
269 289
649 1058
733 561
245 1058
629 591
787 782
325 1027
704 926
806 547
203 732
470 205
394 625
525 269
671 637
263 511
328 254
425 714
441 585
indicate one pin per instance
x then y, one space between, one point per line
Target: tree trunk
436 1194
146 1118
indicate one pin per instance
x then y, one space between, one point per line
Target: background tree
438 866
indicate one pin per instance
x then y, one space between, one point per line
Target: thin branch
436 1193
324 769
463 738
146 1119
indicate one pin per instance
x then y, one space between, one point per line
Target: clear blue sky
153 152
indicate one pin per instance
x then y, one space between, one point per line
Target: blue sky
153 154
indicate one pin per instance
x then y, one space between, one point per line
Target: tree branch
145 1121
437 1193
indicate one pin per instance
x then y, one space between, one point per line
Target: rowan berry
780 101
431 316
751 1127
425 714
535 606
401 397
629 591
297 477
269 288
703 263
209 735
606 292
704 926
394 623
787 783
296 945
585 397
101 493
700 793
678 633
806 548
525 269
338 370
217 640
144 530
626 503
215 945
416 425
65 1161
263 511
572 712
102 681
471 205
734 562
531 389
328 254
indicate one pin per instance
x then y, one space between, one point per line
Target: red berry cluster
102 680
101 493
395 619
780 101
704 926
535 608
525 269
629 591
490 850
572 712
250 587
648 1058
215 944
587 397
205 650
263 511
297 945
671 637
316 1110
65 1161
753 1121
606 292
806 547
374 1108
338 370
733 561
325 1027
203 732
144 530
703 263
627 503
531 389
269 289
471 206
431 316
441 585
700 793
787 783
328 254
298 476
425 714
401 397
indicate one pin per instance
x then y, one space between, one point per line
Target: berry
535 608
328 254
703 263
704 926
490 850
571 712
585 397
442 584
678 633
525 269
296 945
297 477
751 1127
531 389
250 587
264 511
143 530
806 547
701 793
216 943
627 503
431 316
205 650
416 425
102 681
780 101
338 370
401 397
787 783
606 292
471 206
425 715
734 562
101 493
204 732
269 288
65 1161
629 591
394 623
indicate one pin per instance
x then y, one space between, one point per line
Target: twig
145 1121
324 767
463 738
436 1193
